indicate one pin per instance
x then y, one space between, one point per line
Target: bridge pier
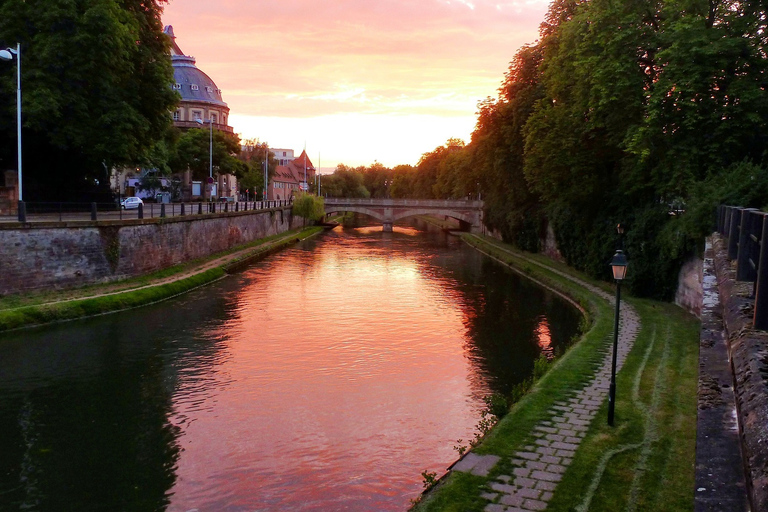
388 226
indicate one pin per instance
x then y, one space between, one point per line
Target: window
195 87
214 118
284 153
177 115
196 114
176 87
208 88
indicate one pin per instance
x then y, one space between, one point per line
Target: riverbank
38 309
554 449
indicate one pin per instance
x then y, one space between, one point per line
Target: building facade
291 178
200 96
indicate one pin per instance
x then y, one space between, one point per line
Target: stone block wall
44 256
689 290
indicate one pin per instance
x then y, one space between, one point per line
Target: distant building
283 156
200 96
292 177
200 100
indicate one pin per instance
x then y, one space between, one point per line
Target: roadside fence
746 230
66 211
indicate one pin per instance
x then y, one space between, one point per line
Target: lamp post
8 54
210 150
619 267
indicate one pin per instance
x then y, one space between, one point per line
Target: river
326 377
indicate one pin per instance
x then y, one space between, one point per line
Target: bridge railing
423 203
746 230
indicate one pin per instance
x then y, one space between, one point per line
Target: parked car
130 203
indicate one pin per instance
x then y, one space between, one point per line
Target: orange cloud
302 59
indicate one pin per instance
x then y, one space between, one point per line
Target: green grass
654 436
654 439
31 299
140 291
60 311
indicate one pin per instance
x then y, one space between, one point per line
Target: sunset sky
357 81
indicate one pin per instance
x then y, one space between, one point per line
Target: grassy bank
646 461
140 291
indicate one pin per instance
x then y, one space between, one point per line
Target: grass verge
653 442
141 291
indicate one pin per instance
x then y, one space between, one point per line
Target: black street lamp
619 267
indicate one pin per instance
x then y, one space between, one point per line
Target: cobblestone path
540 466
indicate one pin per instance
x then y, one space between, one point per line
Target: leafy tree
251 177
345 182
151 183
308 206
403 177
377 179
96 80
193 152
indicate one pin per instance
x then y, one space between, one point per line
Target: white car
131 202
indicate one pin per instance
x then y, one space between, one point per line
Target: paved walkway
539 467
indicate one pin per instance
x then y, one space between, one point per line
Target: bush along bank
554 450
188 279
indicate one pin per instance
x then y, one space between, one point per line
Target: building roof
302 159
186 75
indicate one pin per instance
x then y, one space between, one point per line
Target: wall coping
69 224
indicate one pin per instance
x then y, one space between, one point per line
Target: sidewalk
538 468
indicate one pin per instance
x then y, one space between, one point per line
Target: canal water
327 377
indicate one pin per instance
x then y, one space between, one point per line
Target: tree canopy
96 83
641 113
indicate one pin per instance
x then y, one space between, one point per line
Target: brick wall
44 256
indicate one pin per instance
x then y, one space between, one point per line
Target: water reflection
327 377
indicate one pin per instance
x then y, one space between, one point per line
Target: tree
345 182
151 182
308 206
251 177
193 152
96 91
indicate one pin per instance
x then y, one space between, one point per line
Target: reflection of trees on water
84 408
510 321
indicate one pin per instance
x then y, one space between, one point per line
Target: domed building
200 97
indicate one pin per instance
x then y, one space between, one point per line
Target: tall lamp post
210 151
619 267
8 54
266 173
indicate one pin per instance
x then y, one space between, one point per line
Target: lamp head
5 55
199 121
620 229
619 266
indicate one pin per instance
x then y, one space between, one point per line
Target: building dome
200 97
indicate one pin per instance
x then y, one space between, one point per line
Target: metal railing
746 230
73 212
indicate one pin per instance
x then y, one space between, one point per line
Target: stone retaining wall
689 292
58 255
748 350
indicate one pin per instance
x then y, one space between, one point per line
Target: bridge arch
460 216
467 212
355 209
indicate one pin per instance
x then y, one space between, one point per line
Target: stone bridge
468 213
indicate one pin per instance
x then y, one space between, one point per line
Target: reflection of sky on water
327 377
